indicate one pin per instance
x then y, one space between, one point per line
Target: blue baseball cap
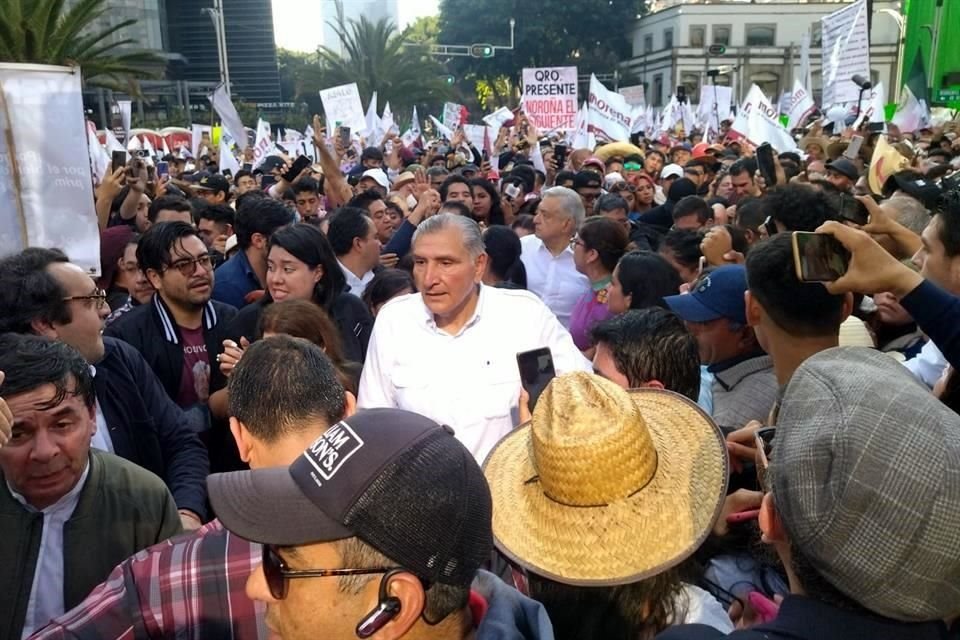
719 294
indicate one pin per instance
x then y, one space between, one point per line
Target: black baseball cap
586 179
398 481
271 162
214 182
844 167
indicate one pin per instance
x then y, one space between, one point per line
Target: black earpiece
386 610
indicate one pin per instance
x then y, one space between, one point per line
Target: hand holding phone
345 136
819 257
560 154
296 168
536 372
118 159
766 165
853 149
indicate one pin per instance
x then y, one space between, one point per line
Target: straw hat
809 139
604 486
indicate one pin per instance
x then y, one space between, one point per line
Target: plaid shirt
190 587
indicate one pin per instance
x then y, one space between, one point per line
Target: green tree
593 35
46 32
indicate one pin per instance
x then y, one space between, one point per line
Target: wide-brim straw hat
606 486
807 140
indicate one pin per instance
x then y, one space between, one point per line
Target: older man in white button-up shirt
449 352
548 257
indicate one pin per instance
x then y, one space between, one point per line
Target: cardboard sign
342 104
846 51
550 97
46 187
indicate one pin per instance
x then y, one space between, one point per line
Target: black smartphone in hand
536 372
296 168
766 165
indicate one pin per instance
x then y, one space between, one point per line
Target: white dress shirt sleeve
376 388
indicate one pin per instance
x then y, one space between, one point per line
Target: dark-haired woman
642 279
486 203
596 251
504 267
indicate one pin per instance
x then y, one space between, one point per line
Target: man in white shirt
353 236
449 352
548 257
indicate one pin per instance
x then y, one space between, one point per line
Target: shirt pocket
411 387
495 391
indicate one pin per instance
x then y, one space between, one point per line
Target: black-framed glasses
276 573
187 266
98 297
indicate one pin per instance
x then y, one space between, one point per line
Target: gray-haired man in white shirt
449 352
547 256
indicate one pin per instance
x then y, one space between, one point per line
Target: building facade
760 42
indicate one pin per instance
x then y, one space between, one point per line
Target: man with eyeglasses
42 293
181 329
358 541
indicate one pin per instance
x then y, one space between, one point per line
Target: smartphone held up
536 372
819 257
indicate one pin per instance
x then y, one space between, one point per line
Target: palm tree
376 57
46 32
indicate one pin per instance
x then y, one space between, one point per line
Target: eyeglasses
574 241
763 440
188 265
276 573
98 297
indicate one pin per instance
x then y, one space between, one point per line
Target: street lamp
216 15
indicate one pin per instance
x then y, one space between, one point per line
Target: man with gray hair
548 253
449 351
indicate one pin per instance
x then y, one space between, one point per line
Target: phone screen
536 372
819 257
765 164
560 153
118 159
163 169
853 149
298 165
267 181
853 210
345 136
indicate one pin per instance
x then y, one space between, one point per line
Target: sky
298 24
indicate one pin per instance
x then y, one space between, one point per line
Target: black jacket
151 329
147 427
349 313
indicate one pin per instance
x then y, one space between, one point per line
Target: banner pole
14 167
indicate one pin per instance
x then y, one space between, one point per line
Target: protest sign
223 105
452 114
550 97
846 51
46 188
800 107
475 134
757 122
228 161
201 137
342 104
610 117
634 95
885 162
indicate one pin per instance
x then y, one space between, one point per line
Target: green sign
951 94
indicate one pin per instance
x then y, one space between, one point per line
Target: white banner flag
372 121
475 134
387 122
53 204
801 106
757 122
443 130
610 117
223 105
550 97
714 106
452 114
910 114
582 138
228 161
125 107
99 158
846 52
414 133
166 149
133 144
342 104
264 145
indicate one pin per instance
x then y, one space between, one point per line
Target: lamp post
216 15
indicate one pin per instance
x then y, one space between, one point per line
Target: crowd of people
292 407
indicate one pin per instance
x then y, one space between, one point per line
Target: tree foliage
46 32
594 35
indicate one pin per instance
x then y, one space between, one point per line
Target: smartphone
819 257
118 159
536 372
853 210
345 136
853 149
511 190
765 164
560 154
163 169
296 168
227 173
248 166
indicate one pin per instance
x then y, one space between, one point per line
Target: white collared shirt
101 438
554 278
469 381
357 285
46 592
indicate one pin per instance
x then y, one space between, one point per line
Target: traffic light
450 79
482 50
716 49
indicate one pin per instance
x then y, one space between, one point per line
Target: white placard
846 52
475 135
800 107
452 114
714 105
635 95
53 205
342 104
550 97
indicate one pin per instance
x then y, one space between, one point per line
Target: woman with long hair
645 192
504 267
642 279
486 203
596 250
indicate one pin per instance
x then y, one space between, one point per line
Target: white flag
757 122
223 105
801 106
264 145
372 121
99 158
444 131
166 149
133 144
227 159
714 106
610 117
125 107
387 122
112 143
148 147
805 76
910 113
412 136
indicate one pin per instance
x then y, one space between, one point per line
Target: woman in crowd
486 203
504 267
722 186
597 248
642 279
628 192
681 248
523 225
385 286
131 280
644 194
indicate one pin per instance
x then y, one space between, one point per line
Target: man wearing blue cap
744 386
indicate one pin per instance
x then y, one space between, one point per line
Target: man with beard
181 327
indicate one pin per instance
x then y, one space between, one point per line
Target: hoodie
510 615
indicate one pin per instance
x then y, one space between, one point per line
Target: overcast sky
298 23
